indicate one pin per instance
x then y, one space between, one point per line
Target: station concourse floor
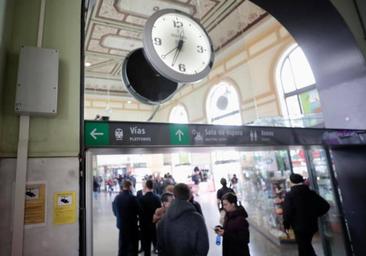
105 233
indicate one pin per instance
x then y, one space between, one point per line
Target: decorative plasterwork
115 29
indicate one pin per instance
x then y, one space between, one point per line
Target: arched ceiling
114 28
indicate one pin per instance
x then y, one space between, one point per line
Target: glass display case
265 181
265 176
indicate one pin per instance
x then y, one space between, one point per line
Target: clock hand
181 35
179 47
175 57
164 55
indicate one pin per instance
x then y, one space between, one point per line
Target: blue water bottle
218 240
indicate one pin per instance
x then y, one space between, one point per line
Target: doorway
262 182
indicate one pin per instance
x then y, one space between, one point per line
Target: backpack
321 206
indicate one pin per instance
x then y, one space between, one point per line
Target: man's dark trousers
127 245
148 233
304 246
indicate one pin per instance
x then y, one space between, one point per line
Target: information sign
97 133
35 204
114 134
179 134
64 207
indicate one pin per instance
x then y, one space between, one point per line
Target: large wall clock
177 46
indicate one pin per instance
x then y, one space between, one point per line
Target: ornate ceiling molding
115 29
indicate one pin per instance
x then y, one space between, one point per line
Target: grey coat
182 231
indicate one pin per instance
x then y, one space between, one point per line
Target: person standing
302 208
166 200
196 204
222 191
235 231
96 187
149 202
182 231
196 180
139 194
110 185
234 183
132 179
126 209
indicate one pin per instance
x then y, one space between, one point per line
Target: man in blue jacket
126 210
182 230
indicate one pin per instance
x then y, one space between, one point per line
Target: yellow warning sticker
64 207
35 204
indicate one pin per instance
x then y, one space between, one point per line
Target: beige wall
249 65
119 108
53 142
59 135
6 17
59 175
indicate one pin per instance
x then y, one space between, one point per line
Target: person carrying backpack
302 208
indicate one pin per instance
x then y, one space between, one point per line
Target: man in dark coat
222 191
125 208
182 230
302 207
139 194
196 204
149 202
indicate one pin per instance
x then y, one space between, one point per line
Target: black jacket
148 204
182 231
126 209
236 233
222 191
302 207
196 205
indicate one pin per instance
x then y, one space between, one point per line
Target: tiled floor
106 233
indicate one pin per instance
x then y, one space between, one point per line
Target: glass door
301 165
331 226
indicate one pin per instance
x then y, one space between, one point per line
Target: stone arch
334 56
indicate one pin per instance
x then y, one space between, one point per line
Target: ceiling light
129 102
87 64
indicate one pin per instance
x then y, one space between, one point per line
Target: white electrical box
37 83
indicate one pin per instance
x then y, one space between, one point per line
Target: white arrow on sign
180 134
94 133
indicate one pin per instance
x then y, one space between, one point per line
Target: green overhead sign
97 133
179 134
120 134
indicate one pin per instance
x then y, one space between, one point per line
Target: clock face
178 47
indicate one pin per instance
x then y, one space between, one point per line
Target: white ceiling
114 28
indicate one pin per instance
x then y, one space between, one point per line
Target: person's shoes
155 251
